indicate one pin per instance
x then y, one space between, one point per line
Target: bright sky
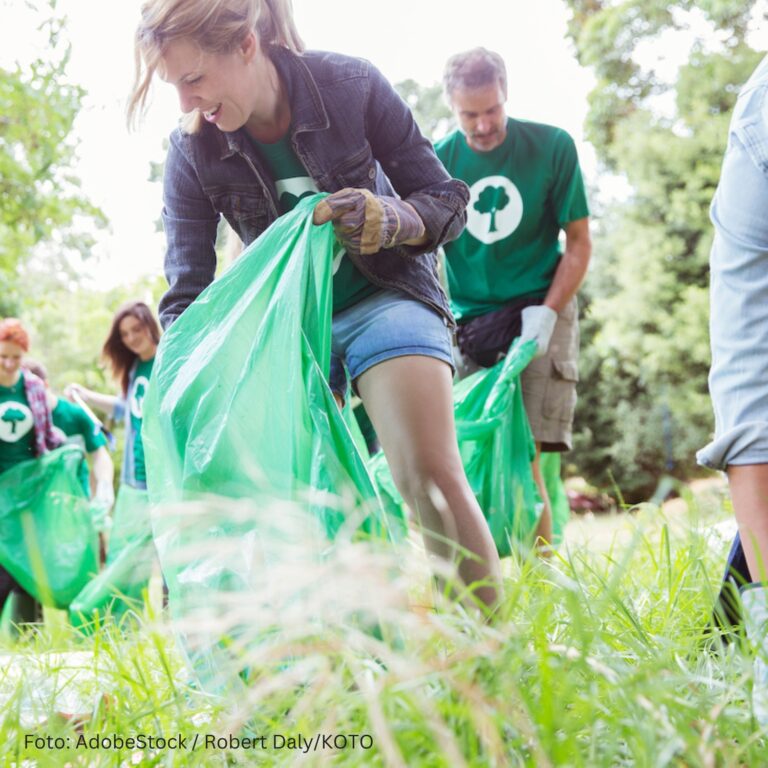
404 38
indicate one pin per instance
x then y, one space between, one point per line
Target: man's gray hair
474 69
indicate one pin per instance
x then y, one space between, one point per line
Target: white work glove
538 323
105 494
103 501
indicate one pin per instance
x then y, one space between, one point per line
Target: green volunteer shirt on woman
349 284
17 426
77 425
521 194
136 407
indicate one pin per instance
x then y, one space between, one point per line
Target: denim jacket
349 128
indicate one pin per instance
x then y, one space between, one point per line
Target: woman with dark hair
130 350
26 432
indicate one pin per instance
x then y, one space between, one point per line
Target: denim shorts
386 325
738 379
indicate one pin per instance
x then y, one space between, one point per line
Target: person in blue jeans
738 379
266 123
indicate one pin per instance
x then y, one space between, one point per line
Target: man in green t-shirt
507 274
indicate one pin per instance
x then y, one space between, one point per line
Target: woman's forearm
104 403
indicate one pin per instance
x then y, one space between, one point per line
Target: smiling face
10 363
137 338
481 115
225 88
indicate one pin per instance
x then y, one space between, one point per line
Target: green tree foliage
428 106
45 219
69 325
644 407
40 200
47 223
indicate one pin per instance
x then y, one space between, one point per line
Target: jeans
738 378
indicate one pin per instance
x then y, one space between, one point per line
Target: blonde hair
217 26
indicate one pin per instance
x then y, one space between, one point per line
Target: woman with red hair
26 431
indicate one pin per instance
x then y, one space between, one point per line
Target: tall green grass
597 658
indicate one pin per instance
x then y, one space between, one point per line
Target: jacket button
372 174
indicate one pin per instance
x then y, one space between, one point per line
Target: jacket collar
308 112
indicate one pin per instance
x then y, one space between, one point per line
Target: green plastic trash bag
496 447
558 498
47 539
239 407
102 519
130 557
131 524
239 402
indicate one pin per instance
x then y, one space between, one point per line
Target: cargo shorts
548 383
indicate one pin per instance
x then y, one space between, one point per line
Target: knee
414 486
434 483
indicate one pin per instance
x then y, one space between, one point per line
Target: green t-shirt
136 407
80 430
293 183
17 426
522 193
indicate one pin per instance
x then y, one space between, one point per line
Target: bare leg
410 402
749 491
544 528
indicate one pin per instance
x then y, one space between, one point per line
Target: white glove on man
538 323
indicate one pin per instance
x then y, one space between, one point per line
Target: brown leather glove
365 223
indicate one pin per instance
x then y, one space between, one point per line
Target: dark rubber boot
726 615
